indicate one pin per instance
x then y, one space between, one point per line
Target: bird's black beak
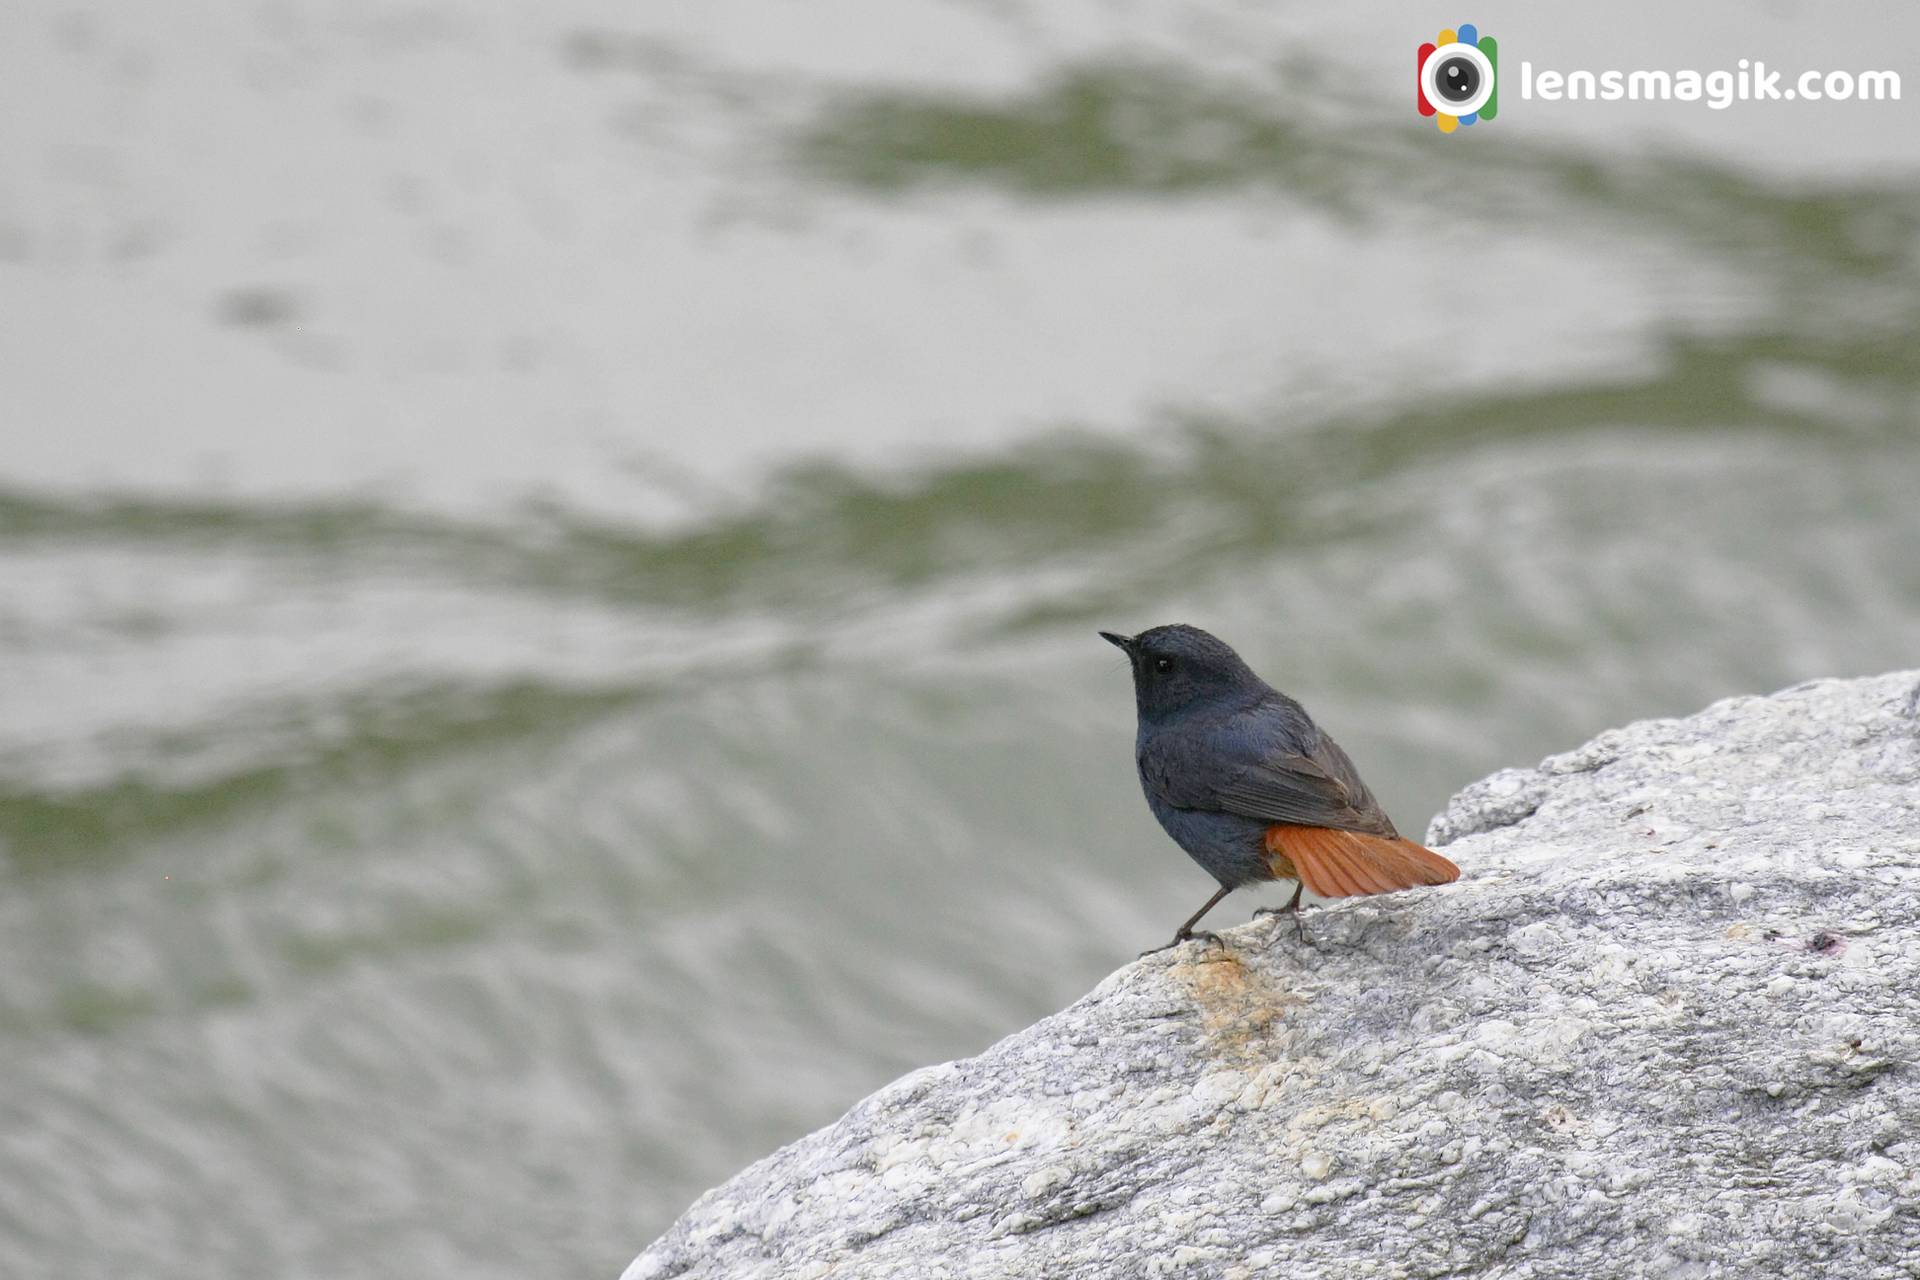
1124 643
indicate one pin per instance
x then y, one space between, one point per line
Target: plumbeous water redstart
1244 780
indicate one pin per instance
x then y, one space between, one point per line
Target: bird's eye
1163 665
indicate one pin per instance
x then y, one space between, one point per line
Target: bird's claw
1293 909
1186 935
1299 923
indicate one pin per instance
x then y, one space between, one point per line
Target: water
548 564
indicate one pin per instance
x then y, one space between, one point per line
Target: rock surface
1667 1023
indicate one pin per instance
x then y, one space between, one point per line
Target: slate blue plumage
1225 758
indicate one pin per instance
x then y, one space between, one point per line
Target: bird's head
1177 668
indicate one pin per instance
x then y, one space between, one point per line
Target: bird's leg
1186 931
1293 907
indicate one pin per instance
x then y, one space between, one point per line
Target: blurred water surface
548 565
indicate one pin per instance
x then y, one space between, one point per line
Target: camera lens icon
1457 78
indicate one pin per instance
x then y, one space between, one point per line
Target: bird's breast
1231 848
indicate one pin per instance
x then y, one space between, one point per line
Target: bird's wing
1315 788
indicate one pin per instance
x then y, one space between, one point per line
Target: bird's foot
1299 921
1186 935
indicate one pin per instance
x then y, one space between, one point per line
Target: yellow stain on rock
1239 1006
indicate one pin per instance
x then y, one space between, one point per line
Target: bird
1243 780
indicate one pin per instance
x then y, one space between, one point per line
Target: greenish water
400 885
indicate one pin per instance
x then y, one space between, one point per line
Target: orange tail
1340 864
